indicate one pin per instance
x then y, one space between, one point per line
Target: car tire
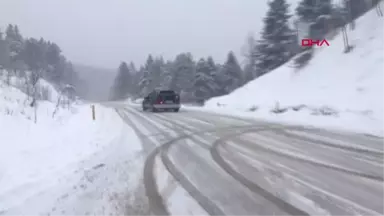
176 110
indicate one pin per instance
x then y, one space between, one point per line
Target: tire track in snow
196 135
171 186
207 204
196 131
301 158
280 203
210 207
313 140
355 204
147 142
156 202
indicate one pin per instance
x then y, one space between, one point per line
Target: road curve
233 166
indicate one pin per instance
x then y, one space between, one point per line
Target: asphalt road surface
234 166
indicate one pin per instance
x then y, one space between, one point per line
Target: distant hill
96 82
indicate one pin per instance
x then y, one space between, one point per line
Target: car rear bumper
166 106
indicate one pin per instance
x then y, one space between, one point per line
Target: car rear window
167 92
167 96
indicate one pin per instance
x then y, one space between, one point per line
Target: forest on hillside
32 60
42 58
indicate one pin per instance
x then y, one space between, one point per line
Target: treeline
279 41
200 79
33 58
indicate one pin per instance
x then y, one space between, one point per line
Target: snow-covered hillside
335 89
47 166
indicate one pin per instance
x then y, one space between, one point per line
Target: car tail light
159 100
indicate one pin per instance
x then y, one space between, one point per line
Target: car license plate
168 102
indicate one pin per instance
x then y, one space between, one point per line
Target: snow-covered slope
41 162
348 86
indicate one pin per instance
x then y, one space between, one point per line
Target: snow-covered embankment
335 90
49 166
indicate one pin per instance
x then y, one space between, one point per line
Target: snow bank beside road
334 89
48 158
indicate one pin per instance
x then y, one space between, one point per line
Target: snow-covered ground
66 163
335 89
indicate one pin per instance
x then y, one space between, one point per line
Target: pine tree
4 53
132 68
309 10
15 45
317 14
135 81
15 40
324 8
250 70
33 55
231 75
53 56
183 73
214 73
275 46
204 83
166 75
156 73
306 10
122 84
144 81
149 62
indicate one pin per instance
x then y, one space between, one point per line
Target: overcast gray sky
105 32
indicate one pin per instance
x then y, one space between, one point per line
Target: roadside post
93 112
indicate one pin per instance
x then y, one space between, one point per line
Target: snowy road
201 163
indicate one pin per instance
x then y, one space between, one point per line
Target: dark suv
162 100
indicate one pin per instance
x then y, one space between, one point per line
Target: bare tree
57 105
345 39
35 77
8 77
27 85
378 8
348 19
349 15
347 46
69 93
